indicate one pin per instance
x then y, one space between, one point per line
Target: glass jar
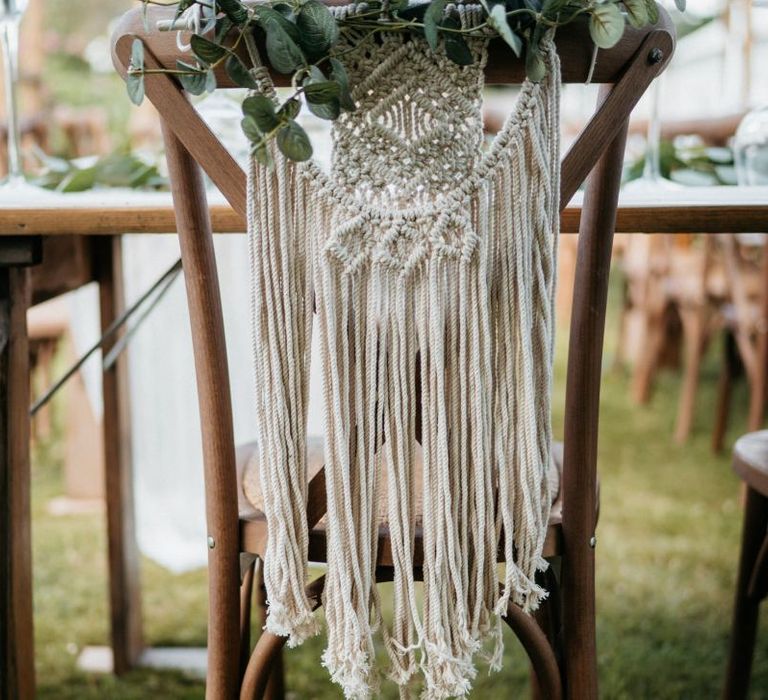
751 148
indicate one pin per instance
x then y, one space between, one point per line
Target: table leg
17 665
124 580
757 395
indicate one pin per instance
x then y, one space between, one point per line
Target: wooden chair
563 656
744 322
676 285
750 462
705 286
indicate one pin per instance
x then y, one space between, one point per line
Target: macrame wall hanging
428 262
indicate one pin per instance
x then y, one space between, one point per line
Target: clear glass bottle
751 148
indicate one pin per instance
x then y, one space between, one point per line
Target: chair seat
750 460
253 526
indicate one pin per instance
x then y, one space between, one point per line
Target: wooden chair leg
647 362
275 687
123 551
210 353
549 619
246 596
728 371
757 398
693 332
619 357
545 667
17 665
745 611
258 674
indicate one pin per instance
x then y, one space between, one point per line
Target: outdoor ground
667 547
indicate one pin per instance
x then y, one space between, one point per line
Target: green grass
667 547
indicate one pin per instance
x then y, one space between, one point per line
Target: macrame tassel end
352 671
446 674
523 592
297 626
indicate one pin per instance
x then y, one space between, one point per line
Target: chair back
625 72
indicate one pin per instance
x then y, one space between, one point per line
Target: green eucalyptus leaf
318 30
535 67
239 74
193 83
321 92
233 10
551 8
262 110
285 10
206 50
315 75
458 51
322 95
137 54
456 48
652 10
210 81
289 110
78 180
432 18
693 178
606 25
283 52
721 155
498 20
52 163
726 174
680 5
339 74
251 129
223 27
637 12
293 142
262 154
134 84
123 170
282 40
269 17
327 110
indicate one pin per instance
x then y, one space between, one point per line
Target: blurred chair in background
750 462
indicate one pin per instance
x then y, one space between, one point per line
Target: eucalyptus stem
165 71
172 4
304 43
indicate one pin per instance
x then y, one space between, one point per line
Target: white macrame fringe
472 323
282 329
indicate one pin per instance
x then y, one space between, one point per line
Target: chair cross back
625 73
630 67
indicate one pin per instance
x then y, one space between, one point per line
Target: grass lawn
667 547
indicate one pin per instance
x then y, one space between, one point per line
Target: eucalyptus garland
302 36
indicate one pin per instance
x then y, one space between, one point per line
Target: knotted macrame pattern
428 261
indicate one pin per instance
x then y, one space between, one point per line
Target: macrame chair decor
428 264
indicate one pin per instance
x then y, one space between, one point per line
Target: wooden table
694 210
51 244
78 237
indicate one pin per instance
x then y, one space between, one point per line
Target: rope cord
428 257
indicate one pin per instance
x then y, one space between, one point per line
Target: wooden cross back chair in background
561 643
